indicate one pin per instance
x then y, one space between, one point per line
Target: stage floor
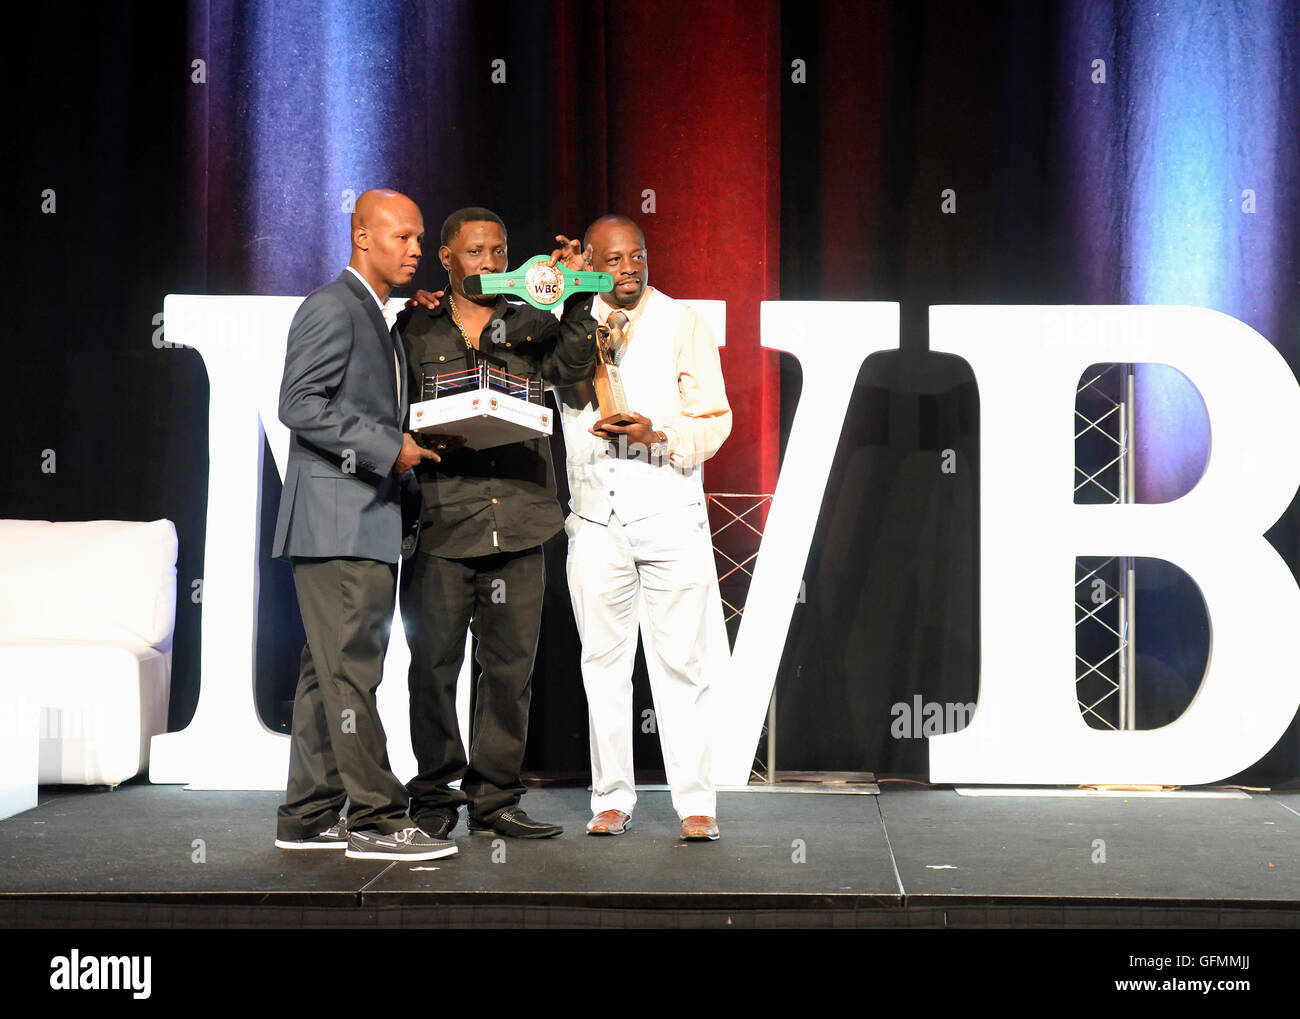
159 856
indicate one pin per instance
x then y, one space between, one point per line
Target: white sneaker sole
388 854
283 844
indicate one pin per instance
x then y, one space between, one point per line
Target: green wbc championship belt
539 283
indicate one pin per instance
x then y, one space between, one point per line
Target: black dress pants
499 598
338 749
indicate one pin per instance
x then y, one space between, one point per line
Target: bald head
377 206
387 231
611 220
618 248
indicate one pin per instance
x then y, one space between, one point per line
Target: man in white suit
639 529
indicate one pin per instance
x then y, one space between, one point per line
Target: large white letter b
1027 727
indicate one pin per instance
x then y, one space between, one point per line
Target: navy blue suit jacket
339 398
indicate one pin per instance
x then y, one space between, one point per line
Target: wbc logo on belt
544 283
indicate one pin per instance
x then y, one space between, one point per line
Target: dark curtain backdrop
816 180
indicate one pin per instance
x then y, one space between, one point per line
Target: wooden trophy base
621 418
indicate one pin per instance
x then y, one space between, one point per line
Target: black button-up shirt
500 499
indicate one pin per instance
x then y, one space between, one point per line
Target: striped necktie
617 323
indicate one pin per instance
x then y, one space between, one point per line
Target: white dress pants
666 558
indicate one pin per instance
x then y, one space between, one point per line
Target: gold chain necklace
455 317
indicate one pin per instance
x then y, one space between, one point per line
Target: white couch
86 617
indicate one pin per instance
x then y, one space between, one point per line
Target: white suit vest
600 481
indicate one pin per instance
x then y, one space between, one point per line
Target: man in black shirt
479 563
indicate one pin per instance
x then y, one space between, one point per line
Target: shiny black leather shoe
514 823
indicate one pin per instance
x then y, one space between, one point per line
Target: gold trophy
609 384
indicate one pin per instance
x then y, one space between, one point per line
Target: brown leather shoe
697 826
608 822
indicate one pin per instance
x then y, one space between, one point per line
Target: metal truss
1104 586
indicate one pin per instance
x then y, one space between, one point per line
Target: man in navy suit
340 525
